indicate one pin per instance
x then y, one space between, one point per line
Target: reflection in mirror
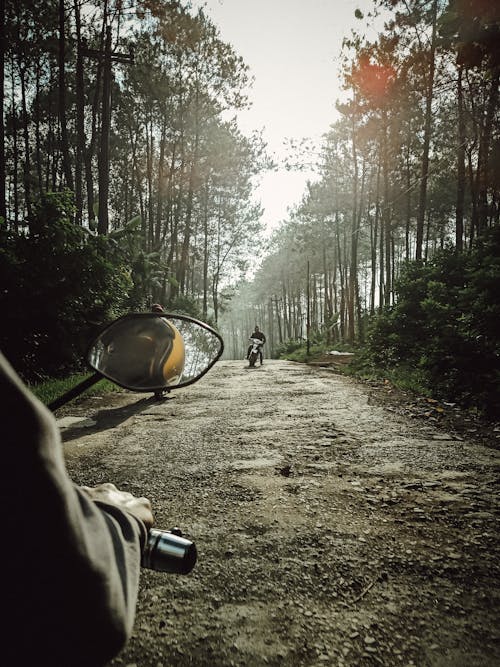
201 347
146 352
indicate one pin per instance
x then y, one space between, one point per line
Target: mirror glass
148 352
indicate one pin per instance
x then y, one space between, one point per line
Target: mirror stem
76 391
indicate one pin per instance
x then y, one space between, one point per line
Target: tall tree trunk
190 199
278 318
216 276
49 152
19 51
3 171
340 261
174 239
270 334
215 297
149 177
359 310
427 236
327 310
373 244
90 150
186 242
290 313
38 135
103 162
286 321
15 165
160 187
27 160
459 212
408 202
80 117
484 151
387 281
205 253
422 202
473 191
66 162
353 266
381 253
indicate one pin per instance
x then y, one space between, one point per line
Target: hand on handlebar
108 493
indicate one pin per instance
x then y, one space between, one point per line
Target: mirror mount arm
75 391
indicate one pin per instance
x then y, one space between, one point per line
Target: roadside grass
300 354
404 377
316 352
50 389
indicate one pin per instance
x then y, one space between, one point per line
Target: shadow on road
111 417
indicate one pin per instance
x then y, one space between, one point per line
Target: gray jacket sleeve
71 566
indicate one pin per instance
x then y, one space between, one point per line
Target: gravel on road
330 529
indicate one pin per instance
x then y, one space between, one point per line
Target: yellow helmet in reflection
173 364
141 352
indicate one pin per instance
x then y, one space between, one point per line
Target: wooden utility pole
103 161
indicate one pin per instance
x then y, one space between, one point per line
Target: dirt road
329 530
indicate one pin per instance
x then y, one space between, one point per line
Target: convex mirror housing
147 352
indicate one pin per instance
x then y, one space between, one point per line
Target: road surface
329 530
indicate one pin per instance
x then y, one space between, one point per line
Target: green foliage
287 347
300 353
145 270
184 305
296 349
445 325
403 375
59 283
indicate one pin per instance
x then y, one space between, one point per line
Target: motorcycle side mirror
149 352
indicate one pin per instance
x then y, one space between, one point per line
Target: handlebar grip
167 551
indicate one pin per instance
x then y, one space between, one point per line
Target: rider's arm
70 565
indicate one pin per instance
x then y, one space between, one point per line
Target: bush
299 352
287 347
184 305
59 284
445 323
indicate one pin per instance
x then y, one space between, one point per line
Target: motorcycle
153 352
255 351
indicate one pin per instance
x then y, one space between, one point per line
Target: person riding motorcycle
259 336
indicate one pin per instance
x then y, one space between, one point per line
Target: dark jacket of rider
70 565
260 336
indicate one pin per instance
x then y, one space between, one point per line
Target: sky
292 49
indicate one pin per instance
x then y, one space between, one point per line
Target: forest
395 249
125 180
124 177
